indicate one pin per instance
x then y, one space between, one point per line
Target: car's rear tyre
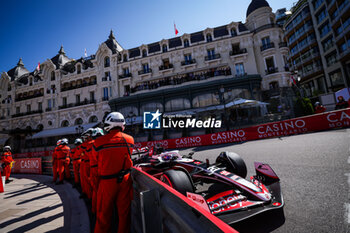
233 163
178 180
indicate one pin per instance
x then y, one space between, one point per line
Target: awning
62 131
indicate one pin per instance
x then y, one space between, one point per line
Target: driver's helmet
168 156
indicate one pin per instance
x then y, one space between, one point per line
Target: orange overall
7 159
54 164
76 163
67 167
93 179
62 154
87 168
83 178
113 156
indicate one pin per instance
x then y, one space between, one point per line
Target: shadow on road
261 223
36 198
29 215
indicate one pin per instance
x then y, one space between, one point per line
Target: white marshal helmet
59 142
7 148
78 141
64 141
88 132
97 132
114 119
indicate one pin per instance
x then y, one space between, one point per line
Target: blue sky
35 29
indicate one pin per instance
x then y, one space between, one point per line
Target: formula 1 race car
220 188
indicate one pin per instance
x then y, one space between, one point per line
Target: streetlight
222 91
131 116
79 129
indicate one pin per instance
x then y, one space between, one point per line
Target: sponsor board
31 165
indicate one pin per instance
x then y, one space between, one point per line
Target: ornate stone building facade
190 72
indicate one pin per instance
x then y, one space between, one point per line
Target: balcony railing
105 98
271 70
146 71
282 44
48 109
78 86
267 46
163 67
238 52
26 113
85 102
28 97
125 76
188 62
212 57
104 79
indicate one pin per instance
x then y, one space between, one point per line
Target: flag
85 54
293 80
176 31
38 67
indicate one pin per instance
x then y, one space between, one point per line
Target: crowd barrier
158 208
312 123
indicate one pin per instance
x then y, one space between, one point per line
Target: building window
107 76
49 106
92 96
64 101
29 108
65 123
336 78
233 32
125 58
53 76
145 68
93 119
265 41
188 58
105 93
78 121
164 48
177 104
239 69
186 43
270 65
107 62
331 59
209 38
211 54
324 30
126 71
205 100
78 69
328 43
144 53
18 110
40 106
77 99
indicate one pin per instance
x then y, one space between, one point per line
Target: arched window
125 58
205 100
107 62
78 121
177 104
233 32
164 48
65 123
93 119
209 38
78 69
40 127
144 53
186 43
52 75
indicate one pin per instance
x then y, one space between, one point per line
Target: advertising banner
28 165
317 122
